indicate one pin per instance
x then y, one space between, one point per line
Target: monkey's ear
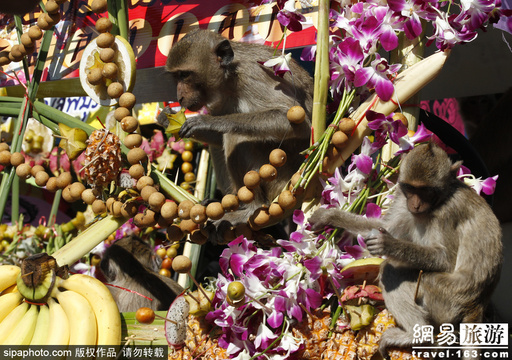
224 53
454 169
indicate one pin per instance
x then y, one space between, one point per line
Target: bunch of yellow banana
78 310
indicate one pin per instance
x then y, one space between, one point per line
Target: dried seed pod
339 139
95 76
267 172
187 226
144 181
198 213
133 140
277 158
110 71
252 179
127 100
245 195
275 210
169 210
129 209
35 33
146 192
286 200
156 200
181 264
296 114
89 195
121 112
115 89
230 202
215 211
5 157
51 184
36 169
98 206
184 209
103 24
402 118
129 124
23 171
105 40
136 171
347 125
174 233
41 178
136 155
99 6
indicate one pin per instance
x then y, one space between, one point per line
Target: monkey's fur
436 224
131 264
247 106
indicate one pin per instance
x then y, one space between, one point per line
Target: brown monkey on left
130 263
247 106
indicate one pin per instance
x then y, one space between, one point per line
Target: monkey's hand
378 241
324 217
199 128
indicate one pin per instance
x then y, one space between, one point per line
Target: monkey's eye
424 192
183 75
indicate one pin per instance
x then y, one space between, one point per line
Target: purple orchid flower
487 186
290 17
376 76
280 64
407 143
386 126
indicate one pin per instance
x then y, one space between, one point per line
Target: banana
8 302
104 307
82 321
24 329
58 333
10 321
42 327
8 276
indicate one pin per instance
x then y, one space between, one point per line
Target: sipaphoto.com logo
469 341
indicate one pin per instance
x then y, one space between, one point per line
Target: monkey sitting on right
438 225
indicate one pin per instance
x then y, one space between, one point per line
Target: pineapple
102 158
201 342
341 346
368 337
314 329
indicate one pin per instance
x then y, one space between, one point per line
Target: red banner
154 25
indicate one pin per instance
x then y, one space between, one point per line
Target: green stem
55 208
112 16
122 18
20 123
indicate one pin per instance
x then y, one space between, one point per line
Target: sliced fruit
124 58
362 269
73 141
176 327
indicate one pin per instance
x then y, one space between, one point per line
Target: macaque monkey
246 111
131 264
437 225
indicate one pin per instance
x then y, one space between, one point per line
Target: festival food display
314 295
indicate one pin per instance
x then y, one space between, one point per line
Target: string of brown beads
45 21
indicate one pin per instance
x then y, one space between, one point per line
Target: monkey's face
189 93
420 199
